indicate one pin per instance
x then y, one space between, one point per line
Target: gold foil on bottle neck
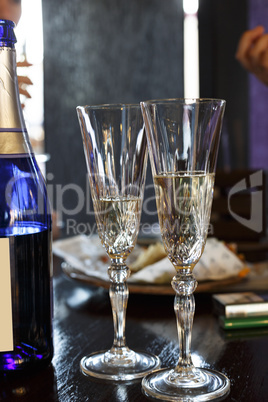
13 143
13 134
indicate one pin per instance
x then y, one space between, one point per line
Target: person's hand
24 82
252 53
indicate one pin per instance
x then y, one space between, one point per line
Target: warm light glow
190 6
191 56
29 33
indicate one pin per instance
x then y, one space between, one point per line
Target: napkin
218 262
87 254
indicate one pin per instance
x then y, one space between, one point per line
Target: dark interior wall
101 52
221 24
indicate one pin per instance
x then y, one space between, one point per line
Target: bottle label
6 323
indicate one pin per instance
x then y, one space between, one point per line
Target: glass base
119 365
200 385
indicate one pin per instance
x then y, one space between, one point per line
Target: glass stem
119 299
184 285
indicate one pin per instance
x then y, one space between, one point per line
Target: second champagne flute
183 139
116 154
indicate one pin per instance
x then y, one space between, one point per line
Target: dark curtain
220 25
101 52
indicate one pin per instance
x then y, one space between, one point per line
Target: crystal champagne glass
183 138
115 149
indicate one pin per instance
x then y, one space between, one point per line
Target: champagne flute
183 138
115 149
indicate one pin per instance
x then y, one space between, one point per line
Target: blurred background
107 51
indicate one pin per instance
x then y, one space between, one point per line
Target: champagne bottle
25 231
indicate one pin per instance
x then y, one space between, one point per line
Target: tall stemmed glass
183 137
115 148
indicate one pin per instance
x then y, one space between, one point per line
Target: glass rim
182 100
110 106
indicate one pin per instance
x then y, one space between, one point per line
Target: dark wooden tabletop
83 324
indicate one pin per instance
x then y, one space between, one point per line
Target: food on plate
155 252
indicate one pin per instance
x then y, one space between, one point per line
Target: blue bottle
25 231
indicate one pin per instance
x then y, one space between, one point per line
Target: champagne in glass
118 223
184 204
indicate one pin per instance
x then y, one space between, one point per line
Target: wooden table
83 324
